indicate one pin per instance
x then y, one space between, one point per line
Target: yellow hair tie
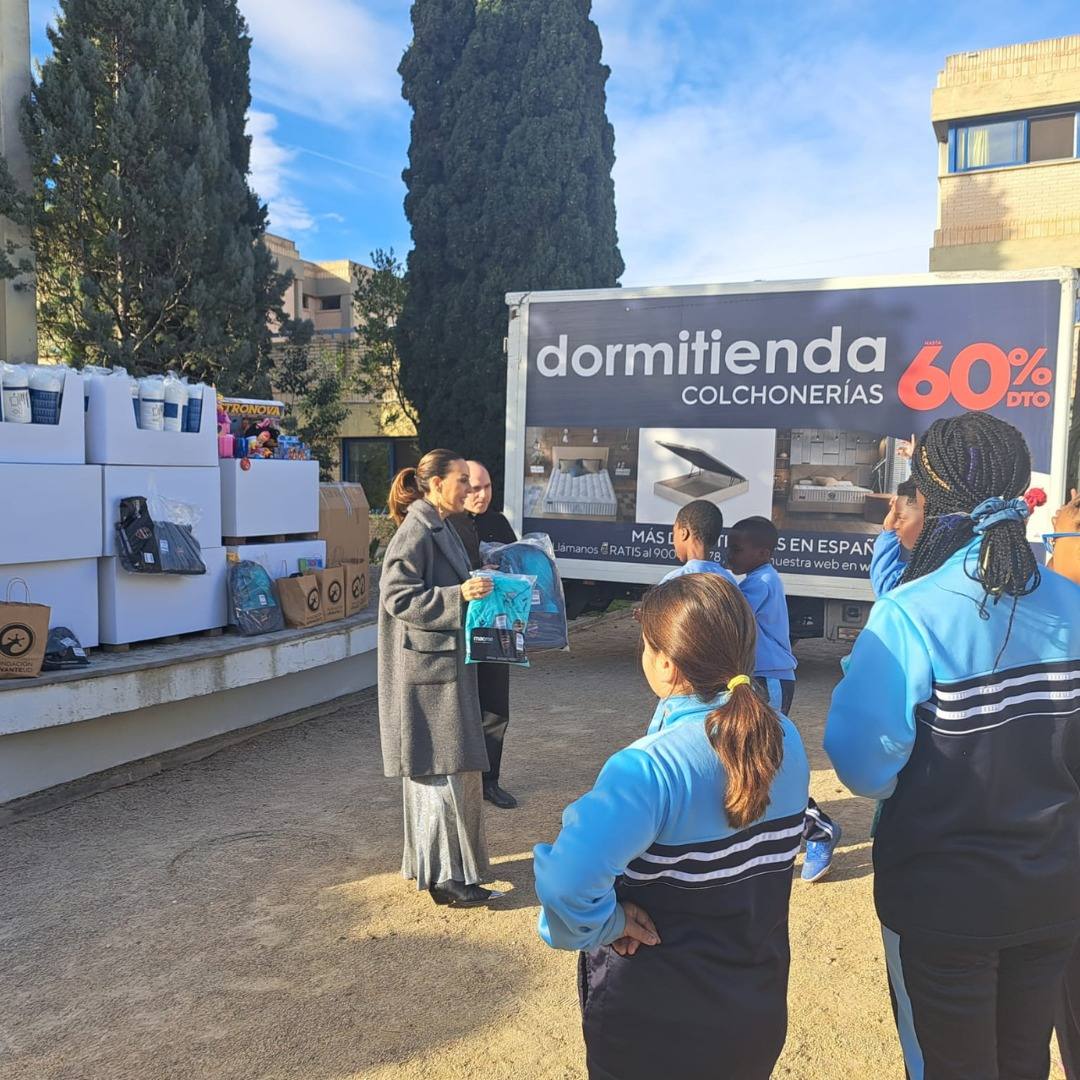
738 680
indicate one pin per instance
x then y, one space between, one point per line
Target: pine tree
227 53
509 188
139 257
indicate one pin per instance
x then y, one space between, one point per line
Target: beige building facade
321 291
1007 121
371 449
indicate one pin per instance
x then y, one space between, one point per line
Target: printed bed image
581 473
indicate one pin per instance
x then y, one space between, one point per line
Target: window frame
1025 120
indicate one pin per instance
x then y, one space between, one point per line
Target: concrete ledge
160 674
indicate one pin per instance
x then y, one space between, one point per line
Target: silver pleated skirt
444 830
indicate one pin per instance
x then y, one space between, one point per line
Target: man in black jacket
481 525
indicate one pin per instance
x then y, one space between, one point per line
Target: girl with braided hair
959 709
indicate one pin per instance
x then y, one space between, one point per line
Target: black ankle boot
458 894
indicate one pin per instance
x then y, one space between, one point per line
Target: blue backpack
252 603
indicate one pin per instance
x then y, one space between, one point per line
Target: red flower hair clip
1035 497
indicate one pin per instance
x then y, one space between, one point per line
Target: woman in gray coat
429 710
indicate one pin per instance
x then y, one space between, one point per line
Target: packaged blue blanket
534 556
495 625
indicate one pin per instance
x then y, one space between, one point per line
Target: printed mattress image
589 493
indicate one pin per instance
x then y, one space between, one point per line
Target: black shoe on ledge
502 799
458 894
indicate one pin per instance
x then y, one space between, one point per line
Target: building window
983 146
307 302
331 303
1021 141
373 463
1052 137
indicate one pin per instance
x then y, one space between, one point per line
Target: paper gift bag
24 633
301 600
332 586
356 587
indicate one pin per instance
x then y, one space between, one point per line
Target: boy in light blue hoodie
696 535
750 547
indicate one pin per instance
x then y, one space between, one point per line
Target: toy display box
269 498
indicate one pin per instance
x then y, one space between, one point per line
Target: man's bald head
479 497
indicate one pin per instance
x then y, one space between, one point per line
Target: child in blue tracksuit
696 535
898 534
673 875
959 709
750 547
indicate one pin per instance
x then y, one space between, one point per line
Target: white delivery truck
790 400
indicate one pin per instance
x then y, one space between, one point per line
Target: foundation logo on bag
313 600
357 588
334 592
16 639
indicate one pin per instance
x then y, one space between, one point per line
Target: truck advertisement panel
792 404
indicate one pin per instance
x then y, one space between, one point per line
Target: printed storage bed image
580 485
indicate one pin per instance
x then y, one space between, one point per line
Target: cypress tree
139 257
509 188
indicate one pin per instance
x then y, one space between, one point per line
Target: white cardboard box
53 513
272 498
137 607
113 438
51 444
69 587
280 560
198 486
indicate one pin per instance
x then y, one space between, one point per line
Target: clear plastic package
534 555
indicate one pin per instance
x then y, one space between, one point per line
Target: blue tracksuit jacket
887 564
700 566
764 592
978 758
653 831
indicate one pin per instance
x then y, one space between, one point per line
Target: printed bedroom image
835 481
581 474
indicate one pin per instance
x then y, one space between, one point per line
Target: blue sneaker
819 853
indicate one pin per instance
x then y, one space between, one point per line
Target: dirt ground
243 917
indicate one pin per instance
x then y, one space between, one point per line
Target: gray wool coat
429 709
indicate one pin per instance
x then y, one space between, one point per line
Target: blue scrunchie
995 510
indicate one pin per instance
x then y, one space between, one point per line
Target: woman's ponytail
747 737
404 491
704 625
412 484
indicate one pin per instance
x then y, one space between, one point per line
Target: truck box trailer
791 400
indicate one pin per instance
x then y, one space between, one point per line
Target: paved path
242 917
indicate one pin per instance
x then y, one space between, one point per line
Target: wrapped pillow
592 465
571 466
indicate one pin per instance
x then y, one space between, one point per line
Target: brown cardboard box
332 587
344 523
356 587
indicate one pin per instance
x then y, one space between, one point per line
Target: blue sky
758 139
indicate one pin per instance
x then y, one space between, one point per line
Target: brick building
1006 121
370 450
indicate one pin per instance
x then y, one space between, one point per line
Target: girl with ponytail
958 709
673 875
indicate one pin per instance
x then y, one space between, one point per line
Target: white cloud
787 166
271 176
324 59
